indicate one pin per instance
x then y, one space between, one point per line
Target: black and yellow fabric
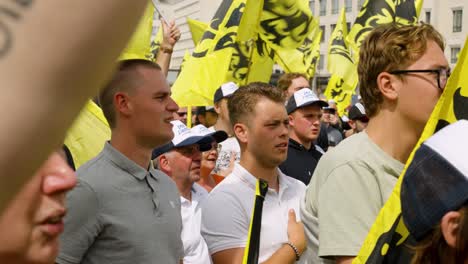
341 65
378 12
388 239
252 249
206 68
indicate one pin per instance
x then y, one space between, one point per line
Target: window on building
321 62
457 20
348 5
360 3
335 6
454 54
348 26
323 7
332 28
427 19
312 6
323 34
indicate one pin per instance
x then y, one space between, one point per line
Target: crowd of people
161 192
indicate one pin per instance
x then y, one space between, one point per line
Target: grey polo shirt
120 212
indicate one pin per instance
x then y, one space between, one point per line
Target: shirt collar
299 146
251 180
126 164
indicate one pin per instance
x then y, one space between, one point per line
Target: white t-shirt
228 146
228 208
195 248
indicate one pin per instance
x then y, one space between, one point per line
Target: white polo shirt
195 248
228 208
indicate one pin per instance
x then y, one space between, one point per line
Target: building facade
448 17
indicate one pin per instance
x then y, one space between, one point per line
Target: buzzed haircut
286 79
241 104
387 48
125 79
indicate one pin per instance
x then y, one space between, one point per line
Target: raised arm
53 56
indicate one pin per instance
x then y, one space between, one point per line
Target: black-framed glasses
442 75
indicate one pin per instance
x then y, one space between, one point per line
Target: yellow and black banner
252 249
378 12
388 239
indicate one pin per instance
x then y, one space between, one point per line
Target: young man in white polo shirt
260 124
181 160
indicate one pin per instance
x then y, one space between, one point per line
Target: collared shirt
227 212
120 212
301 162
195 248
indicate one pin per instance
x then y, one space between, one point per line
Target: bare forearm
59 53
284 254
164 59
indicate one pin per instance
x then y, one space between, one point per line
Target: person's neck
269 174
224 125
185 190
393 134
207 182
306 144
127 144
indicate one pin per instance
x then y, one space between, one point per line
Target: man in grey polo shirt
123 210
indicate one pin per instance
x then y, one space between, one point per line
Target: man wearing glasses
181 160
402 73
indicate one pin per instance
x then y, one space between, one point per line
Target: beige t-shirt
350 185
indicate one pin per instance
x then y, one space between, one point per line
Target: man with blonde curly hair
402 72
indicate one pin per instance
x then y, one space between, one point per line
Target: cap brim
320 103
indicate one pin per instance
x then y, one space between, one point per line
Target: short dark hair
286 79
125 79
242 103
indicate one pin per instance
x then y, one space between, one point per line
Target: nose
58 176
172 106
197 156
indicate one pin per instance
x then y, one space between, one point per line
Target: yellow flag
206 70
197 28
139 45
377 12
86 138
315 55
251 61
340 91
156 43
285 24
340 61
303 58
385 241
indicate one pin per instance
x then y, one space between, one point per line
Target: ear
352 124
388 85
241 131
449 224
164 164
122 103
217 107
291 119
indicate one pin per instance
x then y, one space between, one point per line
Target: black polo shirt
300 163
